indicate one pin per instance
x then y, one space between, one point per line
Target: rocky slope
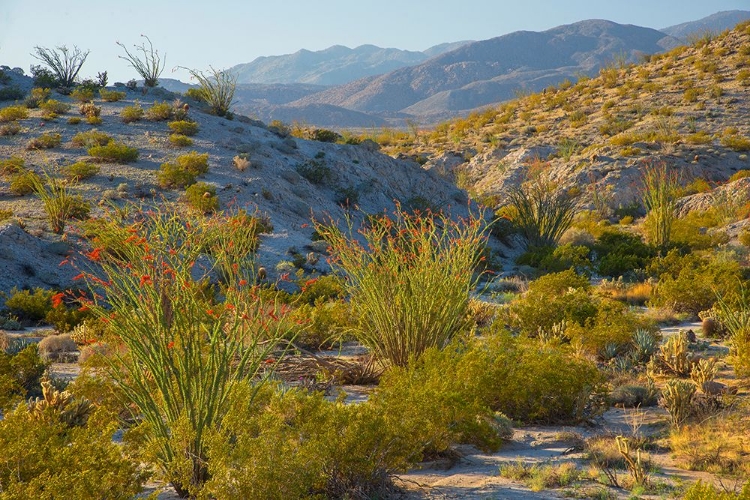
274 182
687 108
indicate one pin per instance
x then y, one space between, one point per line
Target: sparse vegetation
114 152
149 65
64 63
217 90
130 114
47 140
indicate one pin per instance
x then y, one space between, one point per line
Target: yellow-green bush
183 127
36 97
20 374
52 108
160 111
705 491
30 304
22 183
47 140
130 114
114 152
111 95
202 197
82 94
183 170
13 113
90 138
180 141
12 165
80 170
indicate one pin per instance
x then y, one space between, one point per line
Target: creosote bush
202 197
114 152
183 127
13 113
111 95
183 170
411 279
130 114
47 140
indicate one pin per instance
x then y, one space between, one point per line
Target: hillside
491 71
289 180
715 23
335 65
687 108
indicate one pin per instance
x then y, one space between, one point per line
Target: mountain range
371 86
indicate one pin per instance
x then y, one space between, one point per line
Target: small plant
52 108
63 62
11 93
79 171
47 140
74 120
114 152
10 129
36 97
635 464
241 162
677 399
12 165
541 214
82 95
160 111
111 95
130 114
90 110
180 141
57 347
736 142
22 183
202 197
315 171
13 113
216 89
704 371
183 127
59 203
149 66
90 139
183 170
674 356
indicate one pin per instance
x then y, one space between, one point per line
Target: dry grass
719 445
57 347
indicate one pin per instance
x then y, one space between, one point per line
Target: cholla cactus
677 399
675 357
635 464
60 405
704 371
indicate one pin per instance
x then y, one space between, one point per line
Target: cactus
635 465
677 398
60 404
675 357
704 371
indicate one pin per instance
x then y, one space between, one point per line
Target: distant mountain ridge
332 66
715 23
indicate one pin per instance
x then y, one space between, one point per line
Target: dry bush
4 341
57 347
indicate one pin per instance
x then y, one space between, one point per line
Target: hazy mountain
715 23
489 71
333 66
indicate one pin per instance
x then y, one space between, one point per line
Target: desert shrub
323 135
114 152
183 170
660 191
180 141
131 114
12 93
60 204
57 347
185 348
202 197
91 138
183 127
411 281
541 214
740 174
82 95
32 305
689 283
690 231
20 374
36 97
47 140
10 129
735 318
90 110
13 113
149 65
74 120
43 456
12 165
111 95
736 142
608 333
217 90
22 183
52 108
705 491
556 259
744 237
619 253
315 171
66 313
160 111
324 322
566 297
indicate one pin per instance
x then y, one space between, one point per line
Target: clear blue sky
222 33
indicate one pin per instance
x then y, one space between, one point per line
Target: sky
222 33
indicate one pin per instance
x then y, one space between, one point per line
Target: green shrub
411 283
36 97
114 152
44 457
91 138
566 297
74 120
79 171
620 253
13 113
184 127
12 165
160 111
736 142
705 491
32 305
131 114
323 135
202 197
52 108
541 213
22 183
12 93
47 140
180 141
183 170
111 95
548 259
315 171
20 375
82 94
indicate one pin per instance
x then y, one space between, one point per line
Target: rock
714 388
370 145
